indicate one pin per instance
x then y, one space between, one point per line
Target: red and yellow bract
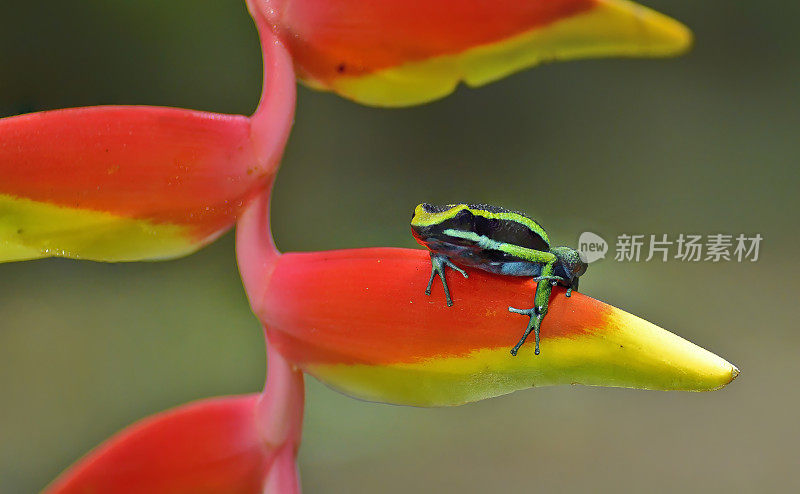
129 183
405 52
123 183
359 320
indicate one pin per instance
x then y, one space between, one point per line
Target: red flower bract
208 446
359 320
231 445
127 183
123 183
406 52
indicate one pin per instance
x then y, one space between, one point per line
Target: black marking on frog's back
497 229
507 231
510 232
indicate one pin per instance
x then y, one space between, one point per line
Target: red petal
211 446
160 164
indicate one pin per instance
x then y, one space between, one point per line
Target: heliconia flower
232 445
359 321
131 183
405 52
125 183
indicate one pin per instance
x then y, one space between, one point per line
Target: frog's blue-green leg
544 287
438 263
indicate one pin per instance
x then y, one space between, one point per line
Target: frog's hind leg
544 286
438 264
533 325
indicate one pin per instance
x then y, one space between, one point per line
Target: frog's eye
463 214
464 219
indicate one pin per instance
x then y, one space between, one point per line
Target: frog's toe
525 312
450 264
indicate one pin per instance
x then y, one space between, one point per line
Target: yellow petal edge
32 230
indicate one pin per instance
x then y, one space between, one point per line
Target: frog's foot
536 315
438 263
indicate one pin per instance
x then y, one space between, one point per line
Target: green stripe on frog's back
485 243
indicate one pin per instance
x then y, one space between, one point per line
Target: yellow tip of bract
625 28
634 353
613 28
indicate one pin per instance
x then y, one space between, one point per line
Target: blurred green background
706 143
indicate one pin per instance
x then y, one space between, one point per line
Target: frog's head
569 266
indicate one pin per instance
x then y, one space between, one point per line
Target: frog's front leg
544 287
555 280
438 263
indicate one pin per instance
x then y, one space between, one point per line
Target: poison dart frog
500 241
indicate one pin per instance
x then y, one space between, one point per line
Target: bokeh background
706 143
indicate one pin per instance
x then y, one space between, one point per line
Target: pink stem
279 411
272 120
255 249
283 477
279 414
269 131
